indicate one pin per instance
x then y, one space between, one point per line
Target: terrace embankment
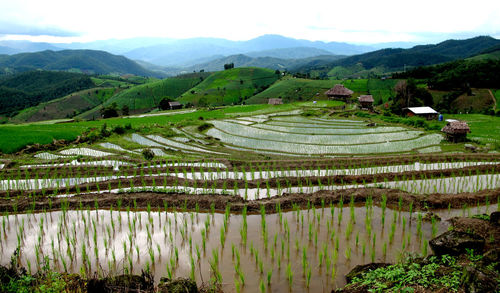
141 200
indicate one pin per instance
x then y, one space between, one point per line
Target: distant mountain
14 47
398 59
290 53
189 51
241 60
86 61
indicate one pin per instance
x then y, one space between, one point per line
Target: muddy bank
394 198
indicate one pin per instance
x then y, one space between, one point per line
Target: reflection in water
322 240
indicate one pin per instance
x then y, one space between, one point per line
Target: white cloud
350 21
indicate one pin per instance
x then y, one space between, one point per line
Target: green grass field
496 93
230 86
294 89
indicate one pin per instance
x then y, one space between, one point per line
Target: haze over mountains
167 57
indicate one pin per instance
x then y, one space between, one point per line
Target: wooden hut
174 105
339 92
425 112
456 131
275 101
366 101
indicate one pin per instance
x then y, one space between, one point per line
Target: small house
275 101
425 112
339 92
456 131
366 101
174 105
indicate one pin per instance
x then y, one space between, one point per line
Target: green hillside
66 107
298 89
390 60
231 86
81 61
142 98
31 88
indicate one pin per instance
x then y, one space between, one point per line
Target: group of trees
112 111
228 66
408 94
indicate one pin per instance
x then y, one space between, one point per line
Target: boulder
179 285
478 279
358 270
495 218
455 243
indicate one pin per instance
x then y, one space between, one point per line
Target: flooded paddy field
299 249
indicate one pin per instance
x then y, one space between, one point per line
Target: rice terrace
211 165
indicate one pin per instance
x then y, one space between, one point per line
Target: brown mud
396 199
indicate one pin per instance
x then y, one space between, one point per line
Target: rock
495 218
455 243
470 147
477 279
492 257
179 285
428 217
360 269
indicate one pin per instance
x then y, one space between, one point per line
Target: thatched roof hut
275 101
366 101
339 92
456 131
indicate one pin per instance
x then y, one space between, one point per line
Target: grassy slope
67 106
497 97
228 86
491 55
147 96
295 89
480 100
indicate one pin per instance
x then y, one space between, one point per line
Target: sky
362 22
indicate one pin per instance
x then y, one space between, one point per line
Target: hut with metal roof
174 105
366 102
425 112
456 131
339 92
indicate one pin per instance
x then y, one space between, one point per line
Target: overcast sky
372 21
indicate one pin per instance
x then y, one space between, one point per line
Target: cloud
9 28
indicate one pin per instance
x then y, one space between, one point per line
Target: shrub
148 154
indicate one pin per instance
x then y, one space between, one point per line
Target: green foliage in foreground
399 277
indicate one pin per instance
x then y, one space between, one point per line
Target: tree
228 66
164 103
110 111
125 110
409 95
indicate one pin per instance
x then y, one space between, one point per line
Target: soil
141 200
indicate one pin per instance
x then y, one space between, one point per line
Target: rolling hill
66 107
31 88
145 97
299 89
387 60
231 86
84 61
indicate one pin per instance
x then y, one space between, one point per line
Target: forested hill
84 61
31 88
397 59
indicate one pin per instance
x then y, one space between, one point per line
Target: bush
148 154
205 126
119 129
